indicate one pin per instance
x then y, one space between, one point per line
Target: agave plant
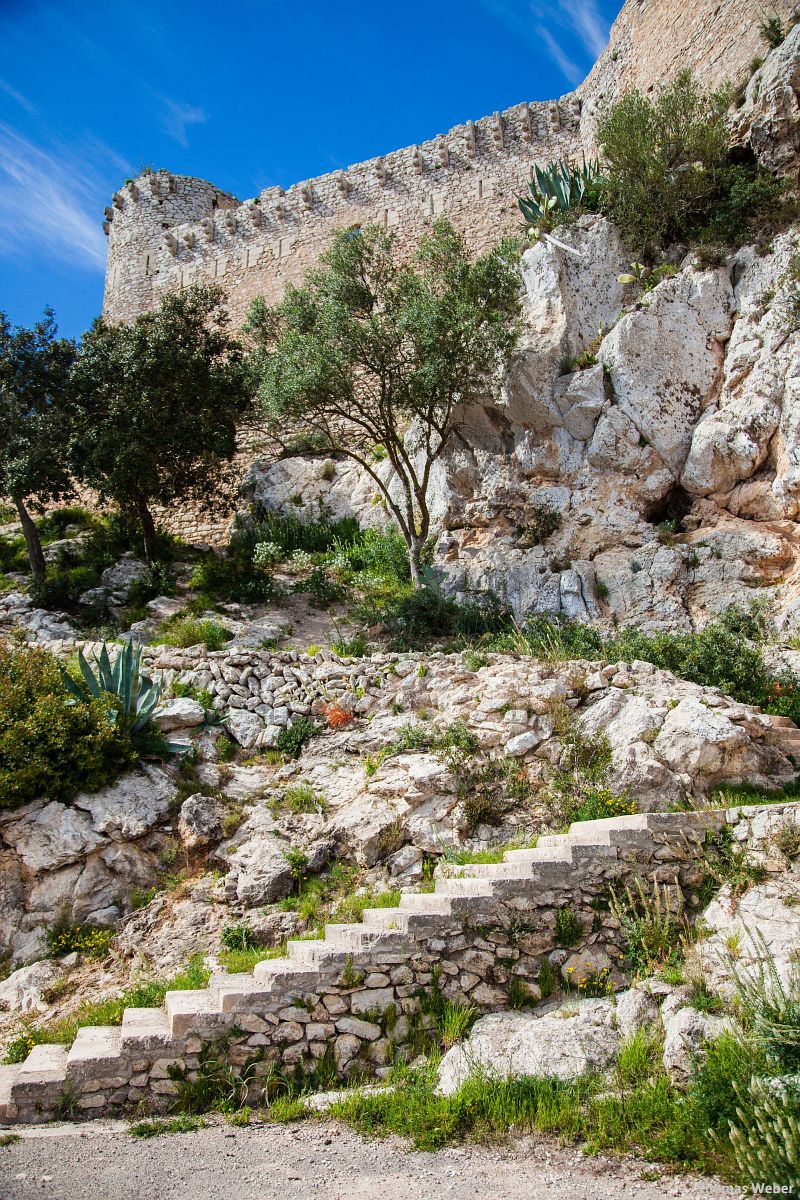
137 694
561 185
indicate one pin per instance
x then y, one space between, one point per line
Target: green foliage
159 401
558 188
155 1128
185 631
373 345
416 617
654 933
568 929
729 864
35 419
771 1007
91 940
766 1135
323 590
291 740
51 743
301 798
238 937
772 31
541 522
136 694
215 1084
668 176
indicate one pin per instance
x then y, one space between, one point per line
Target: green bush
668 175
51 744
291 740
720 655
91 940
188 631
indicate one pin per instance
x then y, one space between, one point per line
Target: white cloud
569 69
23 101
574 32
178 117
49 203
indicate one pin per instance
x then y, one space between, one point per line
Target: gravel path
320 1160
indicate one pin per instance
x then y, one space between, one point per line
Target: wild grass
148 994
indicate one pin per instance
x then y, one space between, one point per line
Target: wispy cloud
569 69
49 203
178 117
574 32
23 101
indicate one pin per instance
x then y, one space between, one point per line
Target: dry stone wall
358 996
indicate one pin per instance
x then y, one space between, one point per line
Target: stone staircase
337 992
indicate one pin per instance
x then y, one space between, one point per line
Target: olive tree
374 352
159 402
35 406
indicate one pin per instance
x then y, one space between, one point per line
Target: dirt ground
319 1159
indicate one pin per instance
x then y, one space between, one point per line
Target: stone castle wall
169 231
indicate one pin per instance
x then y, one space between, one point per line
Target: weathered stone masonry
169 231
356 992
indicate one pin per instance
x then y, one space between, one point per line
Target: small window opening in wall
147 265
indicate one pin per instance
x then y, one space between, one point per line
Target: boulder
245 726
131 806
258 870
686 1033
565 1043
52 836
200 820
636 1009
22 991
119 579
180 713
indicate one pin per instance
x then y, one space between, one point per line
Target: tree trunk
414 555
32 541
148 529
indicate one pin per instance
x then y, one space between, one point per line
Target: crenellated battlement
167 231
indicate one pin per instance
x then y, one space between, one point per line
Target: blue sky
245 94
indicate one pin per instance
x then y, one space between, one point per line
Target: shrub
91 940
766 1135
668 176
337 716
653 932
541 524
52 744
291 740
568 929
772 31
188 631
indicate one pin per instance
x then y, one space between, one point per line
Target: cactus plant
561 185
136 693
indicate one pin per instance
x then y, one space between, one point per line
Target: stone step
466 884
388 919
637 821
96 1053
46 1062
317 953
8 1076
282 976
426 903
195 1011
145 1029
40 1083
